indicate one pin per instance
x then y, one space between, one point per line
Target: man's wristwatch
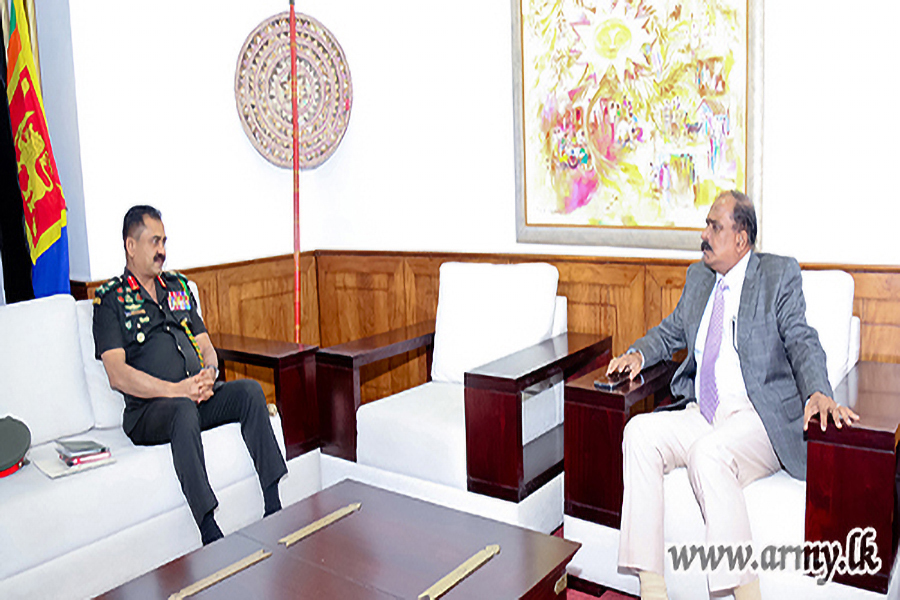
215 371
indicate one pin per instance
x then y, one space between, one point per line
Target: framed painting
632 115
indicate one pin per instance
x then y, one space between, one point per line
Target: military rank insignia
179 300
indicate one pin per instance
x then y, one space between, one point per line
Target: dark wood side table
295 383
852 475
594 423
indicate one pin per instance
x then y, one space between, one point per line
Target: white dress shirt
729 380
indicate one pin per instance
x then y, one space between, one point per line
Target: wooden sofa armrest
497 461
853 476
338 378
378 347
294 366
558 358
594 426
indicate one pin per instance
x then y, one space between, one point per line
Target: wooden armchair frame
498 463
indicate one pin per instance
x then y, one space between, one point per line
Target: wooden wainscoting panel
604 299
422 280
360 295
662 291
309 300
877 304
363 295
257 299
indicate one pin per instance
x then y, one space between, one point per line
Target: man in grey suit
753 377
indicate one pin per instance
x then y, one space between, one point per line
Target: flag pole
296 140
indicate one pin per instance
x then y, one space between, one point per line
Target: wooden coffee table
393 547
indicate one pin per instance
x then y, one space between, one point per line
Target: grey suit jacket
781 359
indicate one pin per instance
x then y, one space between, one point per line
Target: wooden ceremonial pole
296 126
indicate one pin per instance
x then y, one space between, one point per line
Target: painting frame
639 237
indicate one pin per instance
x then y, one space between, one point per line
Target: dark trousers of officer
180 421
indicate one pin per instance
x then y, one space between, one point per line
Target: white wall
427 162
831 131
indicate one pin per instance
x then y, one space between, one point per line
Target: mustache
159 257
705 246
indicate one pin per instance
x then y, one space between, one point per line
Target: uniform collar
131 281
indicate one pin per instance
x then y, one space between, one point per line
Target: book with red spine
82 460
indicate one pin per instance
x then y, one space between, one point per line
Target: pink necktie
709 394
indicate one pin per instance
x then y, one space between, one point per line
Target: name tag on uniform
179 301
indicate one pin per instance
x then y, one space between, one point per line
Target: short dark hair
744 215
134 219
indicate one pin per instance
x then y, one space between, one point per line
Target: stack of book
81 452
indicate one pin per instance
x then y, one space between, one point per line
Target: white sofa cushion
486 312
108 404
43 382
776 505
419 432
829 310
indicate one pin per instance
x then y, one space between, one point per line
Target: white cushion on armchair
829 310
486 312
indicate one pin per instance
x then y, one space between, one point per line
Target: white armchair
489 420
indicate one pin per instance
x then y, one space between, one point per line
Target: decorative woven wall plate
262 90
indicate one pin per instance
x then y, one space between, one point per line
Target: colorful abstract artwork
633 112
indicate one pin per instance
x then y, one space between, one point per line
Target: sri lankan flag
42 196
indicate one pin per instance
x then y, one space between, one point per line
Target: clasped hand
199 387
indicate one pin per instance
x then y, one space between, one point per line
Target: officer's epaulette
106 288
175 278
176 274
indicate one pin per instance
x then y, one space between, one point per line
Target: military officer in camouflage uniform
156 351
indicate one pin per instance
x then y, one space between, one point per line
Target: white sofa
776 504
83 534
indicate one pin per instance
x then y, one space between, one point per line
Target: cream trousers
720 458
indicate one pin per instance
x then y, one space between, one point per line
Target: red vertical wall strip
296 139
